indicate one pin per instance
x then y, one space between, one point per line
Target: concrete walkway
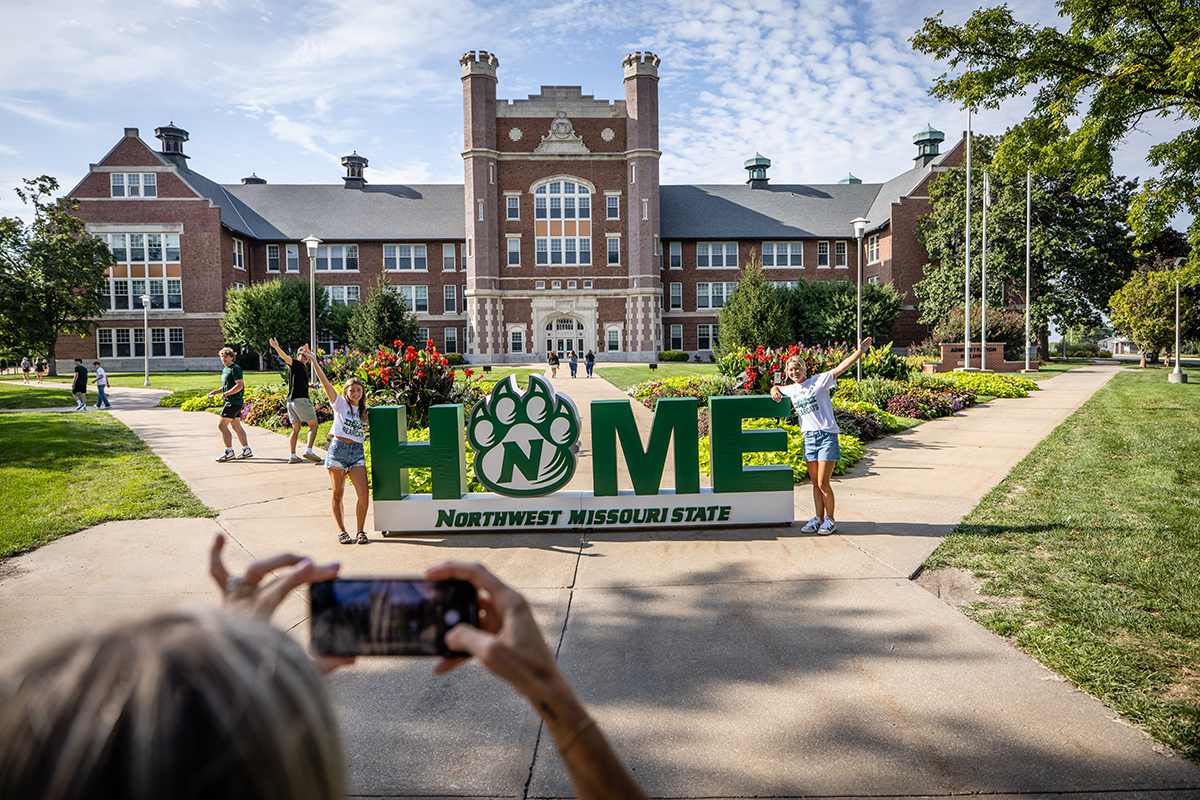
726 663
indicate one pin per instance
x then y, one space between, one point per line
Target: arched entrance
563 334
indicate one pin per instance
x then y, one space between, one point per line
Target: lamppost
860 227
146 335
311 244
1177 375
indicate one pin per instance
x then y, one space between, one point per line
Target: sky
283 90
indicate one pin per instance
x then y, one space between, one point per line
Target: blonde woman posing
346 455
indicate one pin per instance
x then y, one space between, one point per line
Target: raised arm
286 358
320 373
849 360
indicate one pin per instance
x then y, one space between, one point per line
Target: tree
1144 310
826 311
1117 62
382 319
51 273
1080 248
754 314
278 308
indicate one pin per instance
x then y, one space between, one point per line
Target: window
556 285
676 297
516 339
614 250
342 295
562 213
822 255
131 343
416 298
423 335
783 254
873 280
614 340
293 258
450 297
706 337
613 204
239 254
514 252
839 255
716 254
339 257
140 256
513 205
133 184
675 256
571 284
451 340
714 295
540 285
272 258
676 337
872 249
448 258
587 284
402 257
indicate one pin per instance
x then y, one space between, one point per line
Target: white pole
860 336
146 336
312 303
967 282
987 200
1028 216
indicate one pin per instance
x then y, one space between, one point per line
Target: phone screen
389 616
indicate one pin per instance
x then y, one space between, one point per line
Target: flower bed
699 387
852 451
420 479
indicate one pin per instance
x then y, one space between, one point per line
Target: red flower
398 344
468 372
429 344
420 374
410 355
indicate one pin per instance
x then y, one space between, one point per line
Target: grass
47 395
625 375
1089 553
61 473
1049 369
174 381
500 373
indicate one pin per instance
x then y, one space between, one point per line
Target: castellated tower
561 196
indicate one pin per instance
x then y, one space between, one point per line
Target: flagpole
1028 216
987 201
967 282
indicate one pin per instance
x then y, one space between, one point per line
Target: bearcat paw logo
523 440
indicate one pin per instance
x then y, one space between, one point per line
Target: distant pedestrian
40 368
232 391
822 450
101 385
79 385
572 362
300 409
589 362
25 367
552 360
346 454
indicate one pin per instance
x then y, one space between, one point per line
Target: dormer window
133 184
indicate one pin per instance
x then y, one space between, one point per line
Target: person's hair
182 705
79 361
362 401
227 351
95 363
795 360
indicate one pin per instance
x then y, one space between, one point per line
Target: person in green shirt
233 392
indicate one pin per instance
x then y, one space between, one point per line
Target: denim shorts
345 455
822 446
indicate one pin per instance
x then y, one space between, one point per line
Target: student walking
300 409
572 362
101 385
40 368
822 451
346 455
589 362
78 386
25 367
232 391
552 360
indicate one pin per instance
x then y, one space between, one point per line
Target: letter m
673 418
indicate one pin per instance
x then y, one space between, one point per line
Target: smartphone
389 616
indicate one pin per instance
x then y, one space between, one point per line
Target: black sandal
344 538
362 537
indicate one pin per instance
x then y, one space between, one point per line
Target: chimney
927 142
757 167
252 180
172 139
354 164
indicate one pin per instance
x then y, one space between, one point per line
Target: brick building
560 235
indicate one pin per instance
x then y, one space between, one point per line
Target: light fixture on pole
311 243
146 334
860 227
1177 375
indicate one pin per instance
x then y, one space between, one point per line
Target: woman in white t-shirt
814 408
345 455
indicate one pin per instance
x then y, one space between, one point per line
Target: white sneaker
311 456
295 459
228 455
827 527
246 453
812 525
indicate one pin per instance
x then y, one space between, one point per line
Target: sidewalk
720 663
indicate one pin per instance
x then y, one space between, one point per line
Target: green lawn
174 381
46 395
500 373
1049 369
1090 553
623 376
60 473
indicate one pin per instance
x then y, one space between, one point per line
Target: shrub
672 355
201 402
341 364
991 383
699 387
456 359
415 379
177 399
903 405
756 368
420 479
852 451
846 390
864 427
886 421
877 391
